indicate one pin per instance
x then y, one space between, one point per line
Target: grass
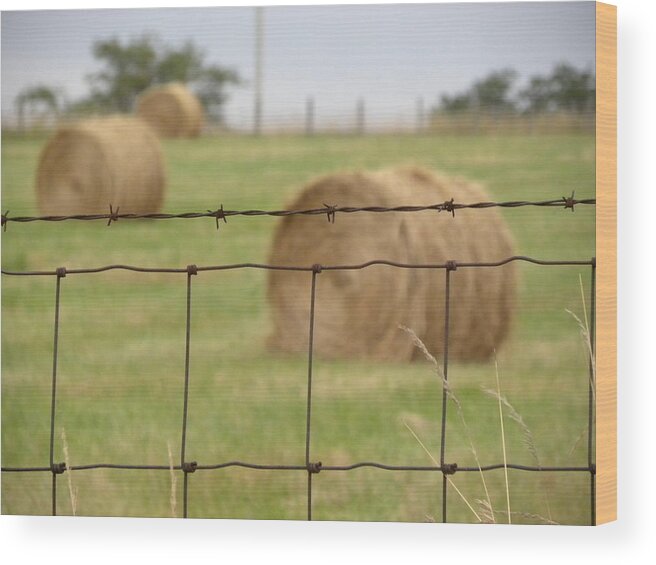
122 347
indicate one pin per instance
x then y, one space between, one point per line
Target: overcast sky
388 54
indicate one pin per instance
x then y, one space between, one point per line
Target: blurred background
388 68
500 94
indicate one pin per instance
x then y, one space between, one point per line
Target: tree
131 67
456 103
128 70
493 93
573 90
566 88
537 96
37 97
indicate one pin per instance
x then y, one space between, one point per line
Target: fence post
55 469
21 118
311 467
421 115
186 467
591 397
360 117
450 266
259 48
309 116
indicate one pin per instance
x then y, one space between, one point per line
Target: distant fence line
420 120
362 119
330 211
489 123
311 466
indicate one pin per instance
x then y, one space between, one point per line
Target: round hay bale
358 313
88 165
172 110
481 298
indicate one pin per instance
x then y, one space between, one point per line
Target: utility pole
421 115
259 48
309 116
360 117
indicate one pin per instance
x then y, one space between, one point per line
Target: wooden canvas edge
606 265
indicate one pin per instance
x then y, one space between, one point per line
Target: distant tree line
130 67
565 89
41 100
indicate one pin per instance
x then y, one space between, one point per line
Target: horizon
403 52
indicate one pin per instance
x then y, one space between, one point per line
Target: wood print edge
606 249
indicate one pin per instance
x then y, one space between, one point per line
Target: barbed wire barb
330 212
113 215
219 214
569 201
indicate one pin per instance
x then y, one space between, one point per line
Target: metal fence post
591 396
450 266
187 467
311 467
55 468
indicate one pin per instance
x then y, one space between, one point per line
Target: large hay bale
88 165
358 313
172 110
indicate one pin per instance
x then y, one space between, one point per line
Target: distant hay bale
88 165
358 313
172 110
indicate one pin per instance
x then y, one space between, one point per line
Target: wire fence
359 117
330 211
310 467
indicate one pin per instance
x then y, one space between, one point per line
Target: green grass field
121 354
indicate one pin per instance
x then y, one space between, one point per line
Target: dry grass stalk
486 511
451 395
435 462
173 498
578 439
503 440
584 329
527 436
532 517
72 491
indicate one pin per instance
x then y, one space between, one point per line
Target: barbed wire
330 211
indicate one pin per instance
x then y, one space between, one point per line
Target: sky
389 55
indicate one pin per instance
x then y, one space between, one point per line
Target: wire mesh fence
311 467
